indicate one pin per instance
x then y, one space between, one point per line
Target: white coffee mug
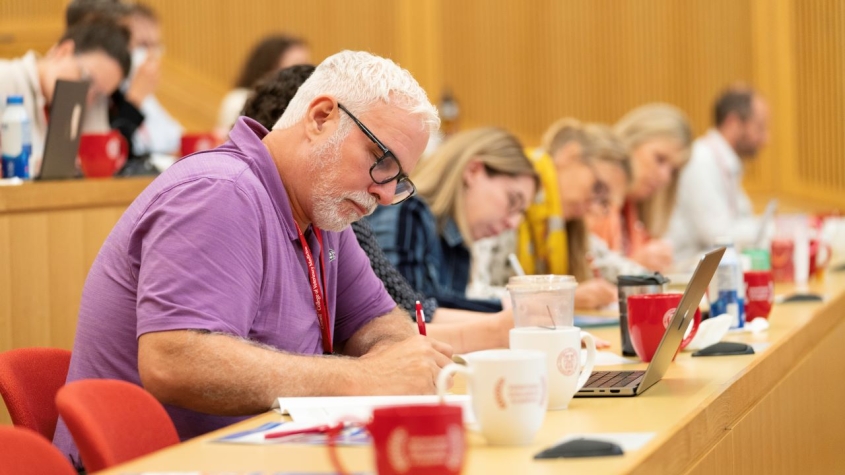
509 392
562 348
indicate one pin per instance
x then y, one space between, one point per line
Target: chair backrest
25 452
29 380
113 421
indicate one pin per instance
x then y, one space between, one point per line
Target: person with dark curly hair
271 95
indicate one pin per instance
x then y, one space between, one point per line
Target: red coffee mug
102 155
649 316
783 266
192 143
759 294
424 439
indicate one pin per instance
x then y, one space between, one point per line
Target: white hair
358 80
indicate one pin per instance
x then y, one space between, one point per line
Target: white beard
331 211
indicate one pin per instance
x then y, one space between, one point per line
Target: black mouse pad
725 348
580 448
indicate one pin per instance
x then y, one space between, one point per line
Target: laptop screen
671 341
66 113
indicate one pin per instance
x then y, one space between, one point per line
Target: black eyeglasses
387 168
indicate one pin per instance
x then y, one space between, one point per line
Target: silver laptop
66 113
632 383
766 219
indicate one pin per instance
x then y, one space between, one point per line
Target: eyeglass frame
401 176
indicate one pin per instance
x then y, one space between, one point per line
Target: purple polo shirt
211 244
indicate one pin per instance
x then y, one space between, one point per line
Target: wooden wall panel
818 167
524 68
523 65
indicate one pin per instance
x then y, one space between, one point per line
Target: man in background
711 200
133 109
95 50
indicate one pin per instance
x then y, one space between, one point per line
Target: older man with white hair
234 279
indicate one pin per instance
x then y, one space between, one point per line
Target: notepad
331 410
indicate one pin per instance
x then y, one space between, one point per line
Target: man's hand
595 293
410 366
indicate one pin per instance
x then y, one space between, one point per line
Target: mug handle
828 253
445 374
124 149
696 321
331 444
587 370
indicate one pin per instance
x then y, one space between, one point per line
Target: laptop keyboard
614 379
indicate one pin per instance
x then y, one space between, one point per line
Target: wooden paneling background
522 65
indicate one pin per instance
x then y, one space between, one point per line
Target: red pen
420 319
307 430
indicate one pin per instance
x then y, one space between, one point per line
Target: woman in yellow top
553 238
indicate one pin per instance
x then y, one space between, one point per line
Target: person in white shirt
159 132
711 200
272 53
96 51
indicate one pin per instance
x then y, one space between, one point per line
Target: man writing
234 278
711 200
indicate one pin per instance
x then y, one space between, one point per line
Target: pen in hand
420 319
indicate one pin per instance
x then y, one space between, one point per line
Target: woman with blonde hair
612 166
553 239
476 185
658 139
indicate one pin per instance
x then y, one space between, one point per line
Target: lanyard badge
320 301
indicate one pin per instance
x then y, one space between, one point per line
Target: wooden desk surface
696 411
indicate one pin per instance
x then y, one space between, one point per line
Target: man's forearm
223 375
390 328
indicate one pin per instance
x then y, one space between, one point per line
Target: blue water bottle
727 294
16 138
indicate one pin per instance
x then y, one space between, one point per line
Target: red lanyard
320 302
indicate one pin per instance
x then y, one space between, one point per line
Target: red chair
29 380
113 421
24 452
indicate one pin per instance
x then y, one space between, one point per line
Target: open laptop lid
683 316
766 220
66 113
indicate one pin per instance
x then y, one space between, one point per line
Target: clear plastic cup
543 300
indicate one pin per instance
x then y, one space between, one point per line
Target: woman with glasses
476 185
613 171
553 239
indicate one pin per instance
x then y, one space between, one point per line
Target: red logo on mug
516 394
762 293
667 317
567 361
406 451
113 148
499 393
